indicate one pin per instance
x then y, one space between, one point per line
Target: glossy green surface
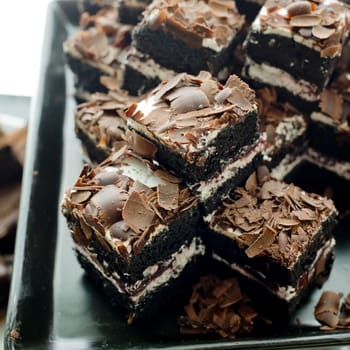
52 305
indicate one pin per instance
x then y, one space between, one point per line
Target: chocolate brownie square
295 46
277 237
103 49
190 36
197 124
135 231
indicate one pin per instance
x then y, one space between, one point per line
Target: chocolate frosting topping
271 218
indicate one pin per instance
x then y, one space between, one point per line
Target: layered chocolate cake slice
295 46
103 49
203 131
277 237
100 123
284 130
135 231
190 35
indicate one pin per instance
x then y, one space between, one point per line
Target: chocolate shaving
331 103
322 32
81 196
305 21
168 196
326 310
218 306
137 213
331 51
262 242
167 176
142 146
299 8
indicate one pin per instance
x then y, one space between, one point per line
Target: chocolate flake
305 21
137 213
168 196
331 103
262 242
299 8
218 306
326 310
321 32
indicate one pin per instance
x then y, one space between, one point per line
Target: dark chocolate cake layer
200 35
308 36
196 124
136 222
271 229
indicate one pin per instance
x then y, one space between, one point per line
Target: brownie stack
175 184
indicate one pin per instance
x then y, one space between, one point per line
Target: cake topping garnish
218 306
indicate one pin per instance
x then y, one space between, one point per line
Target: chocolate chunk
299 8
107 204
188 98
107 177
121 231
137 213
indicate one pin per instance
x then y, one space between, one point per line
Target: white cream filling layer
276 77
173 268
206 189
288 292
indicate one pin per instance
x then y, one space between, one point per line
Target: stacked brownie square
135 229
295 46
277 238
176 176
103 48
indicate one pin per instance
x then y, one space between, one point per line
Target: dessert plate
52 304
